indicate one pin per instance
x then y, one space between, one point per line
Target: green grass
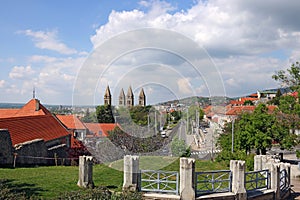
50 182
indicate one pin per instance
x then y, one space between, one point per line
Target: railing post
287 168
275 178
257 162
238 169
131 173
85 172
187 172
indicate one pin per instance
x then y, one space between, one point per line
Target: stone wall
6 150
31 153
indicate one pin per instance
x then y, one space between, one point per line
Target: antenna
33 93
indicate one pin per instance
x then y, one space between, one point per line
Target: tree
104 114
89 117
290 77
139 114
248 102
252 131
275 100
179 148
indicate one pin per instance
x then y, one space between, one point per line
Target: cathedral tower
142 98
122 100
107 96
129 98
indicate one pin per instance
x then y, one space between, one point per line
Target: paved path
295 188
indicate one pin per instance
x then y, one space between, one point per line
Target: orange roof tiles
28 128
71 121
103 128
237 110
76 143
5 113
32 108
253 95
242 100
294 94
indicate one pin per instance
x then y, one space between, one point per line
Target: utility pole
148 122
187 121
155 128
232 135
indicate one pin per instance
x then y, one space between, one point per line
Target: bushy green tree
104 114
139 114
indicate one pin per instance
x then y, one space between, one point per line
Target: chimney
37 105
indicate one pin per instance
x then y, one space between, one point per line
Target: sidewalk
295 188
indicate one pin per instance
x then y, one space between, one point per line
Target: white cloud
2 83
248 40
184 86
48 40
21 72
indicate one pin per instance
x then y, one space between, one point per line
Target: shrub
100 193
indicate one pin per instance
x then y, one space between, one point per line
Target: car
163 134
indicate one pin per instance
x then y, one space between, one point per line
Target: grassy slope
49 182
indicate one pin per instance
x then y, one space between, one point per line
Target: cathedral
127 100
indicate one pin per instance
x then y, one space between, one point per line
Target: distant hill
11 105
202 101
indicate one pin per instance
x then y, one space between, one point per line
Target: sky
70 50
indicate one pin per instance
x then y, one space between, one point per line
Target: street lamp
232 135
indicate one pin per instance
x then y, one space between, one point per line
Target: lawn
50 182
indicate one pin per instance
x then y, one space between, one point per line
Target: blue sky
44 44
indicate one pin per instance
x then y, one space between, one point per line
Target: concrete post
85 172
131 173
187 172
275 178
257 163
238 169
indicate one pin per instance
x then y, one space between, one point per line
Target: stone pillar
238 169
187 172
85 172
274 170
257 163
131 173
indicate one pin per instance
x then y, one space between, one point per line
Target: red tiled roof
207 110
103 128
237 110
242 100
76 143
271 108
6 113
32 108
23 129
71 121
294 94
253 95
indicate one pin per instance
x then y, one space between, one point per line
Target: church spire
122 100
107 96
142 98
130 97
